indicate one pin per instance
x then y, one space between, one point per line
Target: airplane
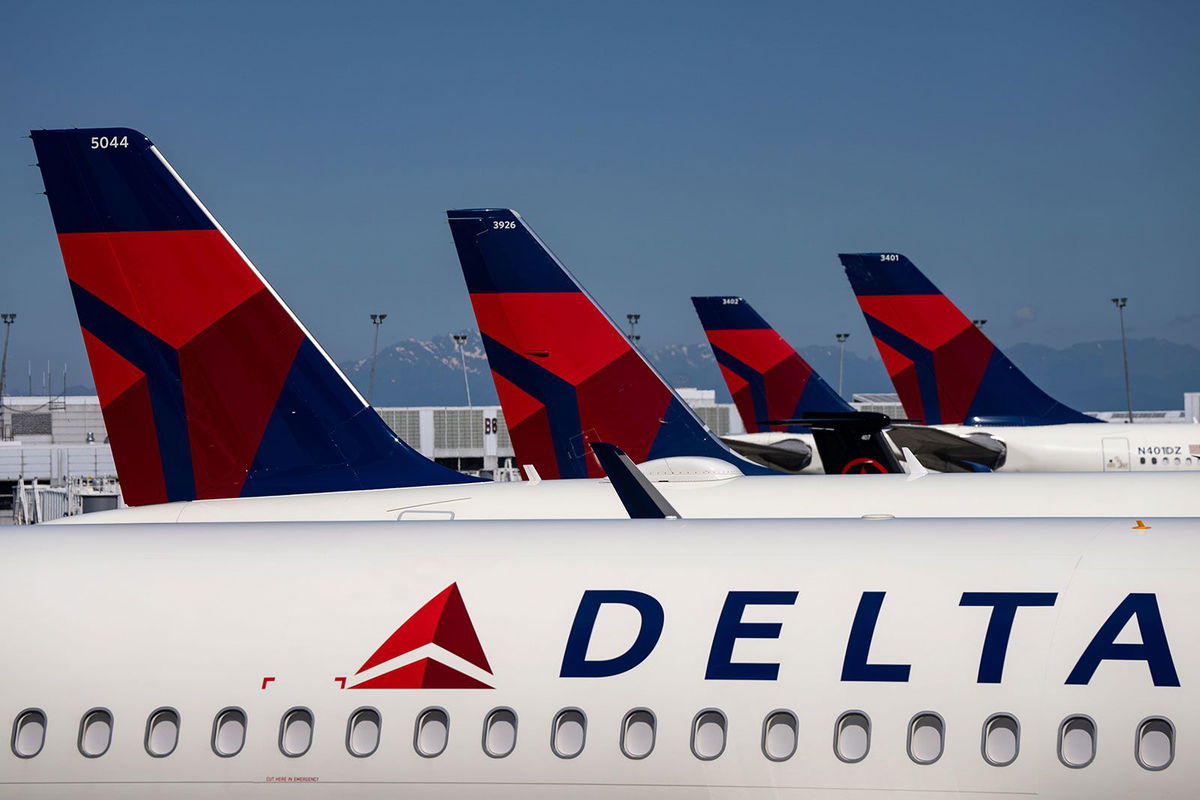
652 658
567 376
770 381
950 375
767 378
209 385
325 428
565 373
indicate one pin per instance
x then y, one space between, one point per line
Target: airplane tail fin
565 373
209 385
945 370
766 376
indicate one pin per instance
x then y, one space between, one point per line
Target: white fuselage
810 620
1085 447
932 495
1075 447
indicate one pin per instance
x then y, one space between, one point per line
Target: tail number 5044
105 142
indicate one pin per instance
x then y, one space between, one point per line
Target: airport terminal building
55 457
60 445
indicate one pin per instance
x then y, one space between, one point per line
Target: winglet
637 494
916 470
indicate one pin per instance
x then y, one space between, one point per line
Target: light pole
841 337
633 321
376 321
460 339
8 320
1120 302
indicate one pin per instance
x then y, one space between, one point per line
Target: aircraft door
1116 454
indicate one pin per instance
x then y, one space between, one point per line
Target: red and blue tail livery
566 375
766 376
945 370
210 386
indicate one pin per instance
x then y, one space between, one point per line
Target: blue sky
1034 158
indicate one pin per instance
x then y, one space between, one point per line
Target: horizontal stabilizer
948 452
786 455
858 421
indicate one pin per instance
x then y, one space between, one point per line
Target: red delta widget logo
440 631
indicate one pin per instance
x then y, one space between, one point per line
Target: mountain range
1087 375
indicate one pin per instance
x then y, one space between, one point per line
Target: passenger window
569 733
29 733
95 732
780 734
1077 741
500 732
852 737
296 732
229 732
637 733
926 737
1001 740
1155 743
362 732
162 732
708 734
432 733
